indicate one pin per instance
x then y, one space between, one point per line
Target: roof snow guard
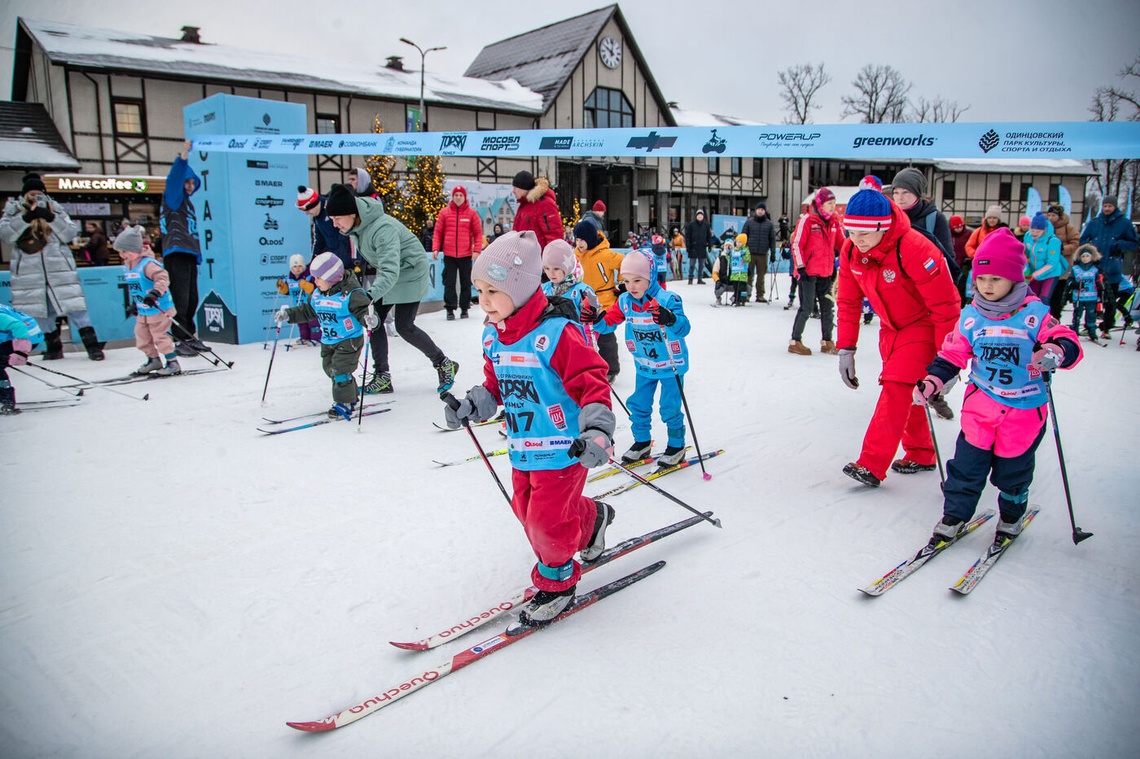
111 50
29 139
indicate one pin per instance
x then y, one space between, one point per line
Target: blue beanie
1039 221
868 211
588 232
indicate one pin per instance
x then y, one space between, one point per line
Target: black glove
662 315
621 288
40 212
589 314
151 298
801 272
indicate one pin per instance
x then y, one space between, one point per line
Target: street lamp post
423 56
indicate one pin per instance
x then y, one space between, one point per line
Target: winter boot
598 538
941 407
947 530
463 313
152 364
185 349
172 368
446 369
906 466
342 411
91 343
637 452
797 347
451 314
545 606
828 346
862 474
8 404
672 456
381 382
53 346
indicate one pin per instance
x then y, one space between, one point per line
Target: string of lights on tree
415 199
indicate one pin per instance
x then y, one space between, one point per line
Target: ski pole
265 338
91 384
643 481
620 402
67 390
276 337
1078 533
937 453
216 360
685 402
364 374
451 401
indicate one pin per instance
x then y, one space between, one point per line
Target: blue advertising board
248 222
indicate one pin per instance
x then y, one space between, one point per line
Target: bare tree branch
939 110
1117 103
881 96
798 87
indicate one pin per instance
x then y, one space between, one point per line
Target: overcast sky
1009 61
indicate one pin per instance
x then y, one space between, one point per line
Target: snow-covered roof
544 58
111 49
700 118
29 139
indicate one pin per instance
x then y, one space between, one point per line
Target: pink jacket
988 423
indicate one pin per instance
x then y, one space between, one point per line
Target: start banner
1077 139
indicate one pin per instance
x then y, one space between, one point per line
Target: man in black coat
761 248
698 235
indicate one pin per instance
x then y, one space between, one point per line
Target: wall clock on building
610 52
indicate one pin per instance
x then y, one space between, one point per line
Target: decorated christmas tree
571 221
423 192
382 169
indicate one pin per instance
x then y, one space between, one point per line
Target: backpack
927 231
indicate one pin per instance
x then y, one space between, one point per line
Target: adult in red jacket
459 236
907 281
538 208
814 245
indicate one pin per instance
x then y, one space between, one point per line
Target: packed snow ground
177 585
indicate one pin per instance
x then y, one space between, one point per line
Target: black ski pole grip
577 447
450 400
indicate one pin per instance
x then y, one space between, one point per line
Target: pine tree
423 193
571 221
382 169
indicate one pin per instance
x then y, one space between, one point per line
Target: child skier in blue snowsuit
19 334
655 330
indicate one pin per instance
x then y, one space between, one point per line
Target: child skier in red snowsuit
554 391
1009 340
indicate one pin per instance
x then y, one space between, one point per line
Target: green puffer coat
398 256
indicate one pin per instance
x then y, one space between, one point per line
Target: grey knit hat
513 264
129 240
912 180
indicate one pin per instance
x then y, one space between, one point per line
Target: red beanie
957 221
599 207
307 197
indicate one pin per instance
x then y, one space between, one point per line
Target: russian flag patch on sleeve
930 265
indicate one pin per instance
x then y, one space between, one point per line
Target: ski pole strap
558 574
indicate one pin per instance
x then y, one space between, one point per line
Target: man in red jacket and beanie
906 279
538 208
459 235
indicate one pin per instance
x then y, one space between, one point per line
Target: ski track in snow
176 584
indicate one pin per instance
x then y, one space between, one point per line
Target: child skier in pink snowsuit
1010 341
559 423
148 286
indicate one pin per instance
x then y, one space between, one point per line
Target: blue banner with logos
248 221
1077 139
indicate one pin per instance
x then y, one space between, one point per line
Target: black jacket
698 234
761 236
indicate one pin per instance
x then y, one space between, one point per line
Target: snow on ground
177 585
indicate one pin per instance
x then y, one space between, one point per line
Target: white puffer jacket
49 275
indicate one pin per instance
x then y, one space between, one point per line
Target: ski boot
545 606
947 530
597 543
153 364
172 368
342 411
672 456
637 452
8 402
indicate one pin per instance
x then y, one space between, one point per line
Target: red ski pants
557 518
896 419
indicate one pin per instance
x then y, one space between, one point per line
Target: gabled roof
111 50
543 60
686 118
29 139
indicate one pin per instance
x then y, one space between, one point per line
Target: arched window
607 108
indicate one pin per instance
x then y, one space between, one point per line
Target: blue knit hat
1039 221
868 211
585 230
